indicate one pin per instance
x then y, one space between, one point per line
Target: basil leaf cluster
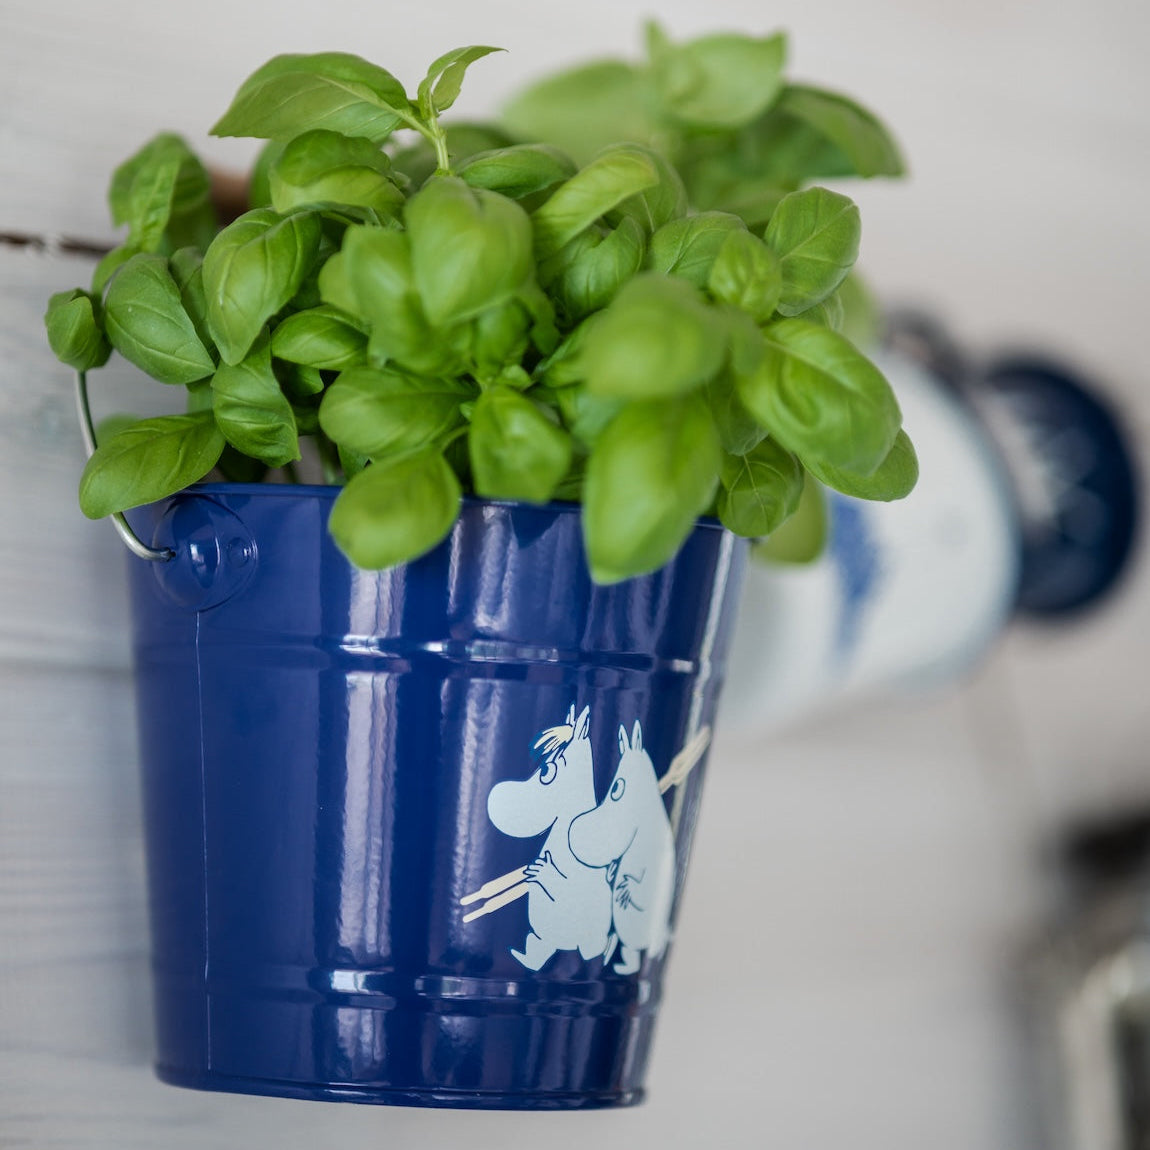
623 295
721 110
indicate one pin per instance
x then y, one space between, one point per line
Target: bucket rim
331 492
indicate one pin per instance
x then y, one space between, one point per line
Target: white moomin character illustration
629 834
568 904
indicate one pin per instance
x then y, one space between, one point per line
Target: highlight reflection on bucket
417 836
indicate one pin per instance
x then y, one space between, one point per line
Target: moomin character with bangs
568 904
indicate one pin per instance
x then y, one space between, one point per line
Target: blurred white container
1025 501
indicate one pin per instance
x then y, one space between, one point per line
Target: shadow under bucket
417 836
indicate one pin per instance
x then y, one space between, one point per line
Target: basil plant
617 298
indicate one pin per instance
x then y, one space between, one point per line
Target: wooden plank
71 862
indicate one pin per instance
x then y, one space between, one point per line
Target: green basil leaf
380 413
251 410
292 94
663 202
470 248
113 424
816 235
658 338
376 270
516 451
583 110
351 463
335 288
585 414
149 202
311 156
821 398
500 337
862 321
827 313
253 268
164 194
187 268
562 367
655 39
239 468
299 380
653 471
306 415
321 337
549 271
324 168
744 339
517 171
751 198
894 478
260 183
854 131
739 431
775 154
570 489
615 175
748 275
544 334
150 460
333 222
407 340
512 376
147 324
74 333
760 490
192 220
590 271
440 87
120 189
199 396
395 511
802 537
719 81
109 265
689 247
308 295
807 135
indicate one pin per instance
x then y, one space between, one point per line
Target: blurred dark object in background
1071 464
1087 990
1076 485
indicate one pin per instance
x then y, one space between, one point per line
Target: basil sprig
651 327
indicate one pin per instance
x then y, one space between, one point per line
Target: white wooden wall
862 883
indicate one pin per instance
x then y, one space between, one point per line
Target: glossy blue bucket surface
417 836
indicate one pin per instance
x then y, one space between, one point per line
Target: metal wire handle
131 540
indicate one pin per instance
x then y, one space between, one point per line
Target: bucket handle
131 540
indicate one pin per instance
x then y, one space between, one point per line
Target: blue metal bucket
417 836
